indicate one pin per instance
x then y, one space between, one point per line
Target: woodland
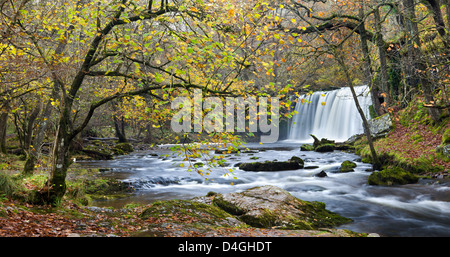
77 69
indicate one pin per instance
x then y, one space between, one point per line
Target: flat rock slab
273 207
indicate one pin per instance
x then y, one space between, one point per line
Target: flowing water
421 209
411 210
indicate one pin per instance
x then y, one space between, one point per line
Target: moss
271 166
392 176
183 211
227 206
324 148
266 219
122 148
446 137
348 166
307 147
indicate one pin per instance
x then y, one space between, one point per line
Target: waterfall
329 114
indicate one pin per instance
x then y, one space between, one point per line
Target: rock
122 148
306 147
310 167
205 215
270 206
297 159
322 141
344 147
392 176
444 149
347 166
380 126
321 174
325 148
351 140
271 166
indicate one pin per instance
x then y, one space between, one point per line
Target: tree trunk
376 161
382 56
34 152
3 126
447 10
119 126
420 72
55 187
434 7
367 63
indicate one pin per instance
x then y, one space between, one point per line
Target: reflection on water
421 209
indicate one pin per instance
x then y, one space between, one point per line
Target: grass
413 142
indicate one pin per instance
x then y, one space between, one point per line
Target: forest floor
25 220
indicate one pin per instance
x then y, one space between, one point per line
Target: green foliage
446 137
8 186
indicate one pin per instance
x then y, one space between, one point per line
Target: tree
162 48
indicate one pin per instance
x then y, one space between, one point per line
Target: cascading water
329 114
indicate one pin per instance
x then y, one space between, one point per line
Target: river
421 209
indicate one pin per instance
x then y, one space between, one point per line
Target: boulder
392 176
347 166
270 206
380 126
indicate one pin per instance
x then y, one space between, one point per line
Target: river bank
151 173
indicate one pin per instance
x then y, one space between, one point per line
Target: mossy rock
191 213
298 160
325 148
347 166
122 148
306 147
270 206
271 166
392 176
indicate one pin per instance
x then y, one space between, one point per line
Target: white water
332 115
411 210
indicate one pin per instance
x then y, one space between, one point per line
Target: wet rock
325 148
306 147
347 166
297 159
321 174
271 166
